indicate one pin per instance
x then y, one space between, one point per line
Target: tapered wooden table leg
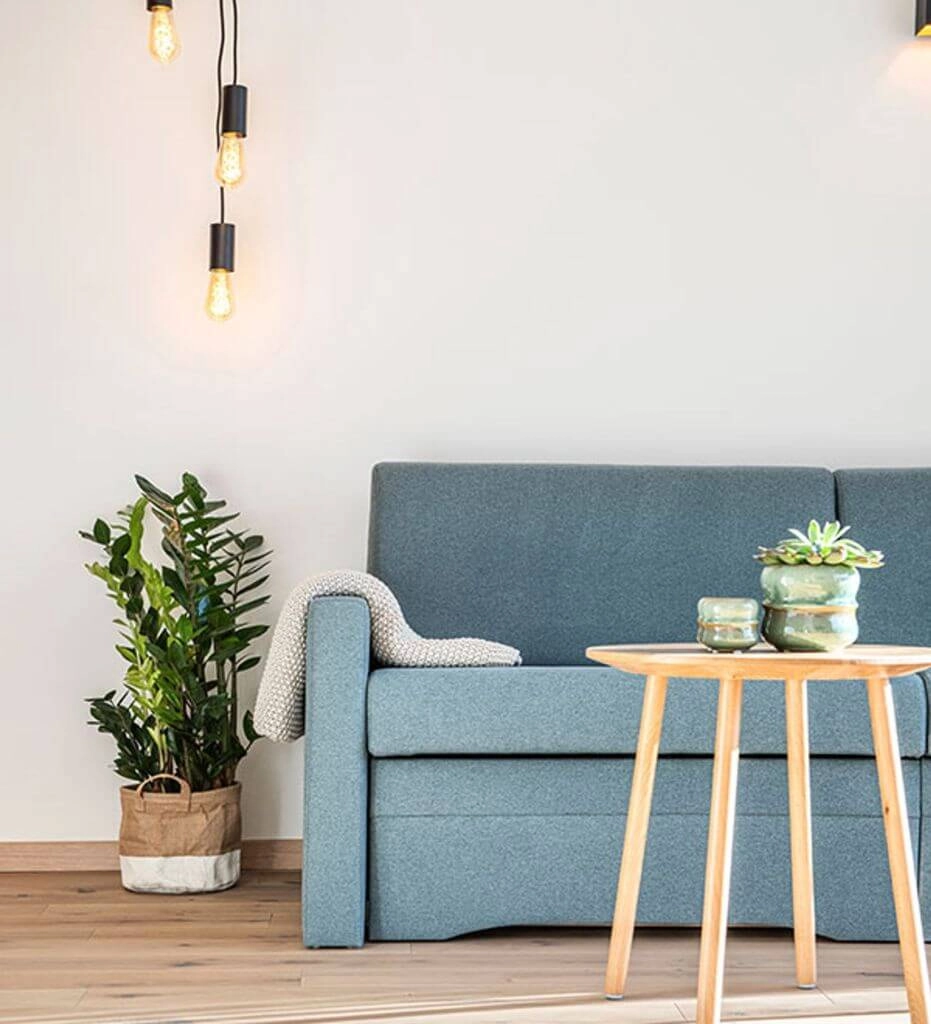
635 836
720 846
898 842
803 884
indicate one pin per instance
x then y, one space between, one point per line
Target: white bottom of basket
180 874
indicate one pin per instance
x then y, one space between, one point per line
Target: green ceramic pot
810 607
728 624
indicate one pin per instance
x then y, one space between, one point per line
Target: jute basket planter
180 842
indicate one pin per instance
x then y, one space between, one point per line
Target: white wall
502 229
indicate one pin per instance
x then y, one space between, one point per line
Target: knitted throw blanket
279 707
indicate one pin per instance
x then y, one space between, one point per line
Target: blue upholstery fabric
335 773
462 844
434 878
555 558
924 862
571 710
497 786
890 509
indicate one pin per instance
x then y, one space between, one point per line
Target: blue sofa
441 801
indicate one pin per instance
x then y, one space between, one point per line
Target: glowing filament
230 169
164 44
220 295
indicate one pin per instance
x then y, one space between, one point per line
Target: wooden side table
873 663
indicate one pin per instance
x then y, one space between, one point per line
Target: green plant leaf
252 586
175 584
248 727
154 493
249 606
826 544
120 546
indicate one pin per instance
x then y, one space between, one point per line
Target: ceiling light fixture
923 18
230 130
222 265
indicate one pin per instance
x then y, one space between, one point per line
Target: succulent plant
823 545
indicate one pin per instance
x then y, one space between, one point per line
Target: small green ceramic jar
728 623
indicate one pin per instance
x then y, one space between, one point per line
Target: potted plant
185 638
810 583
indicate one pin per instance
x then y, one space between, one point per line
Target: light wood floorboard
104 855
78 948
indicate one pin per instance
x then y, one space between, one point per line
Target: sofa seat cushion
576 710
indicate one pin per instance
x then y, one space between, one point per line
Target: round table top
692 661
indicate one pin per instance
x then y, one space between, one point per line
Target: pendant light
230 130
230 168
222 265
923 18
164 44
232 100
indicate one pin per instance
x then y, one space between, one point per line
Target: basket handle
183 783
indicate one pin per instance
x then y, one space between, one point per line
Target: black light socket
223 247
233 121
150 5
923 18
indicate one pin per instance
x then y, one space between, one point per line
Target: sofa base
434 875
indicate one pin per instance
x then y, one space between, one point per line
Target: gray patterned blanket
279 707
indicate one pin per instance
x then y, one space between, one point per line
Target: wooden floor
77 947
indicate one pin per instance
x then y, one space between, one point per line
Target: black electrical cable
235 42
220 97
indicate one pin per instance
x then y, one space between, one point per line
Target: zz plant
822 545
184 635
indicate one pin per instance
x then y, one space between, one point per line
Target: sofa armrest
335 772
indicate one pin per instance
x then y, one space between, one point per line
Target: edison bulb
164 44
220 295
230 169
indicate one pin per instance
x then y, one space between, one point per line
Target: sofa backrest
890 509
554 558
